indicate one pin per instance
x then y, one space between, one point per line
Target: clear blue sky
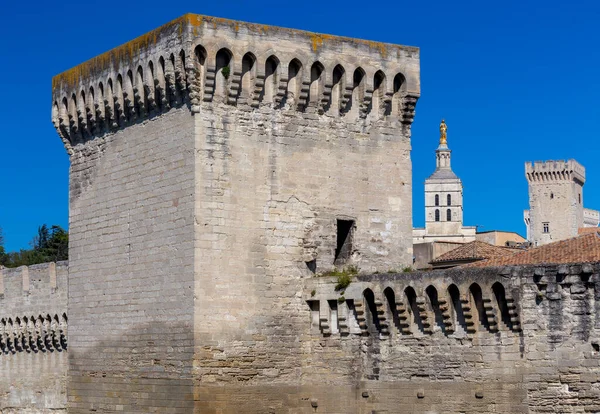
515 81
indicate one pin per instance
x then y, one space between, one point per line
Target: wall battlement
592 215
33 306
516 339
417 304
201 61
34 280
456 303
557 171
33 337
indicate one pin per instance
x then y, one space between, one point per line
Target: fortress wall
131 268
33 346
273 181
224 156
519 340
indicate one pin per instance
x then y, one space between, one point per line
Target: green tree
56 243
40 241
3 256
25 258
49 245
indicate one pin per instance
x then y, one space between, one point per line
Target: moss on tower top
188 26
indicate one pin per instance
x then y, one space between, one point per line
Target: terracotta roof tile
580 249
587 230
475 250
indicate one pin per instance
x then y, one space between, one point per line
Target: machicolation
195 60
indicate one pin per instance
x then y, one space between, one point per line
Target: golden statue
443 129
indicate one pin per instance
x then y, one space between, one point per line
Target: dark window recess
345 234
437 215
312 265
448 215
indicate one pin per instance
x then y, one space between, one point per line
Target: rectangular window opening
345 235
546 227
312 265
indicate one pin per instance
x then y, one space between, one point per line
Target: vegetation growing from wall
51 244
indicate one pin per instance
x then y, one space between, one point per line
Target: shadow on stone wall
146 369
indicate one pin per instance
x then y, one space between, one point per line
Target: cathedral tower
443 201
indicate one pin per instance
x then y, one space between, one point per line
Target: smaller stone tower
443 201
556 201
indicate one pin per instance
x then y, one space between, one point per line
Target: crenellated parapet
33 306
463 303
201 62
554 171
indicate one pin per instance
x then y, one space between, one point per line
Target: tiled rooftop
475 250
581 249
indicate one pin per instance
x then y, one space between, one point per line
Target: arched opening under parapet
500 295
109 104
294 81
3 330
223 72
83 108
457 310
413 317
200 55
371 318
358 91
118 99
141 103
337 90
392 308
269 92
91 106
248 76
476 302
63 113
434 304
316 83
128 99
55 111
399 89
150 88
180 71
18 337
63 118
160 84
377 106
73 119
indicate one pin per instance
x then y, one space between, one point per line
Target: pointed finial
443 129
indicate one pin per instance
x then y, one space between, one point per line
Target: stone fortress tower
556 209
443 201
215 165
